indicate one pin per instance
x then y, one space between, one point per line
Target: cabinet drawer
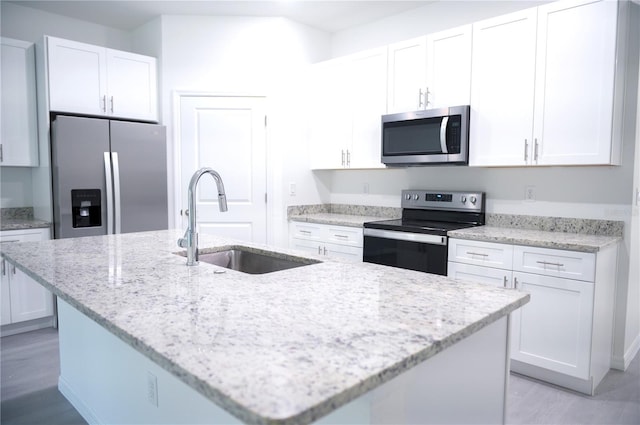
308 231
478 274
487 254
341 235
27 235
555 262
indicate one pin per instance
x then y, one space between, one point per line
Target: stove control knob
407 196
473 199
416 197
463 199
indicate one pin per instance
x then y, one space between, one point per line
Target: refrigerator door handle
109 188
116 192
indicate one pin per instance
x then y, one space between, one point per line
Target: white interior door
226 133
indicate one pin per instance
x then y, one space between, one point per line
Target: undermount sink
251 261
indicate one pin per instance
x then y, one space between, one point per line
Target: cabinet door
366 88
553 330
29 299
407 75
77 77
477 274
19 142
502 89
330 120
5 293
131 85
575 82
449 67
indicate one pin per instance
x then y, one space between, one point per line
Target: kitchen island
146 339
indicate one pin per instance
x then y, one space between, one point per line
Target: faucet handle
182 243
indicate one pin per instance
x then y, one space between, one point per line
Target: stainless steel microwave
425 137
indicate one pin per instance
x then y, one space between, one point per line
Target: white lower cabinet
563 335
328 240
553 331
23 299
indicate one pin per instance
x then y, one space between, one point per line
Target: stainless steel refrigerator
108 176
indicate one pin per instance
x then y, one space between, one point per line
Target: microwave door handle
443 134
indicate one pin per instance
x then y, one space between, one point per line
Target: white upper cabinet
544 95
575 77
94 80
19 143
432 71
502 89
407 75
449 68
348 99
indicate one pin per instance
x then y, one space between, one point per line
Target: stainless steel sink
251 261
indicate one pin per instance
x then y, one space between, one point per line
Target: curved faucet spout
190 239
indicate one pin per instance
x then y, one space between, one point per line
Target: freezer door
80 200
139 156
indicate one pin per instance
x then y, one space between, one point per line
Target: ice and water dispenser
86 207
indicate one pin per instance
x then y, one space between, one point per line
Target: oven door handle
404 236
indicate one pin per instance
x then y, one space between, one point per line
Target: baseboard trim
622 363
27 326
71 396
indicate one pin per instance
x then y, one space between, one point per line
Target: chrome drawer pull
341 236
546 263
477 253
11 240
306 232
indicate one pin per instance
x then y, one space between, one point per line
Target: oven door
413 251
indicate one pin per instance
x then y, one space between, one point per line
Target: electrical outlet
365 187
292 189
530 193
152 389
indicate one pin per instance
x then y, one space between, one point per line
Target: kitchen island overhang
284 347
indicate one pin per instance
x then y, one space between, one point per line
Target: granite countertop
349 220
539 238
285 347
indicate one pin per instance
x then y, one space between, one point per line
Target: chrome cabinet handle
111 104
426 98
4 267
104 103
515 282
1 154
546 263
420 103
343 157
477 253
341 236
535 150
13 269
324 250
319 252
348 158
526 150
504 284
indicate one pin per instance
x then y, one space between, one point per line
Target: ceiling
327 15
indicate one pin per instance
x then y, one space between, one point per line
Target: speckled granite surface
286 347
557 224
539 238
341 214
19 219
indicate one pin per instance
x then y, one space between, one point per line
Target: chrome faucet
190 238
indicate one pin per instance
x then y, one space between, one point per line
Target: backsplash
557 224
20 213
364 210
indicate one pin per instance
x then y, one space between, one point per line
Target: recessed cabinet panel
77 77
575 82
19 140
553 330
502 89
131 85
407 75
555 262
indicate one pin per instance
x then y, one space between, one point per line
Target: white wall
585 192
15 187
